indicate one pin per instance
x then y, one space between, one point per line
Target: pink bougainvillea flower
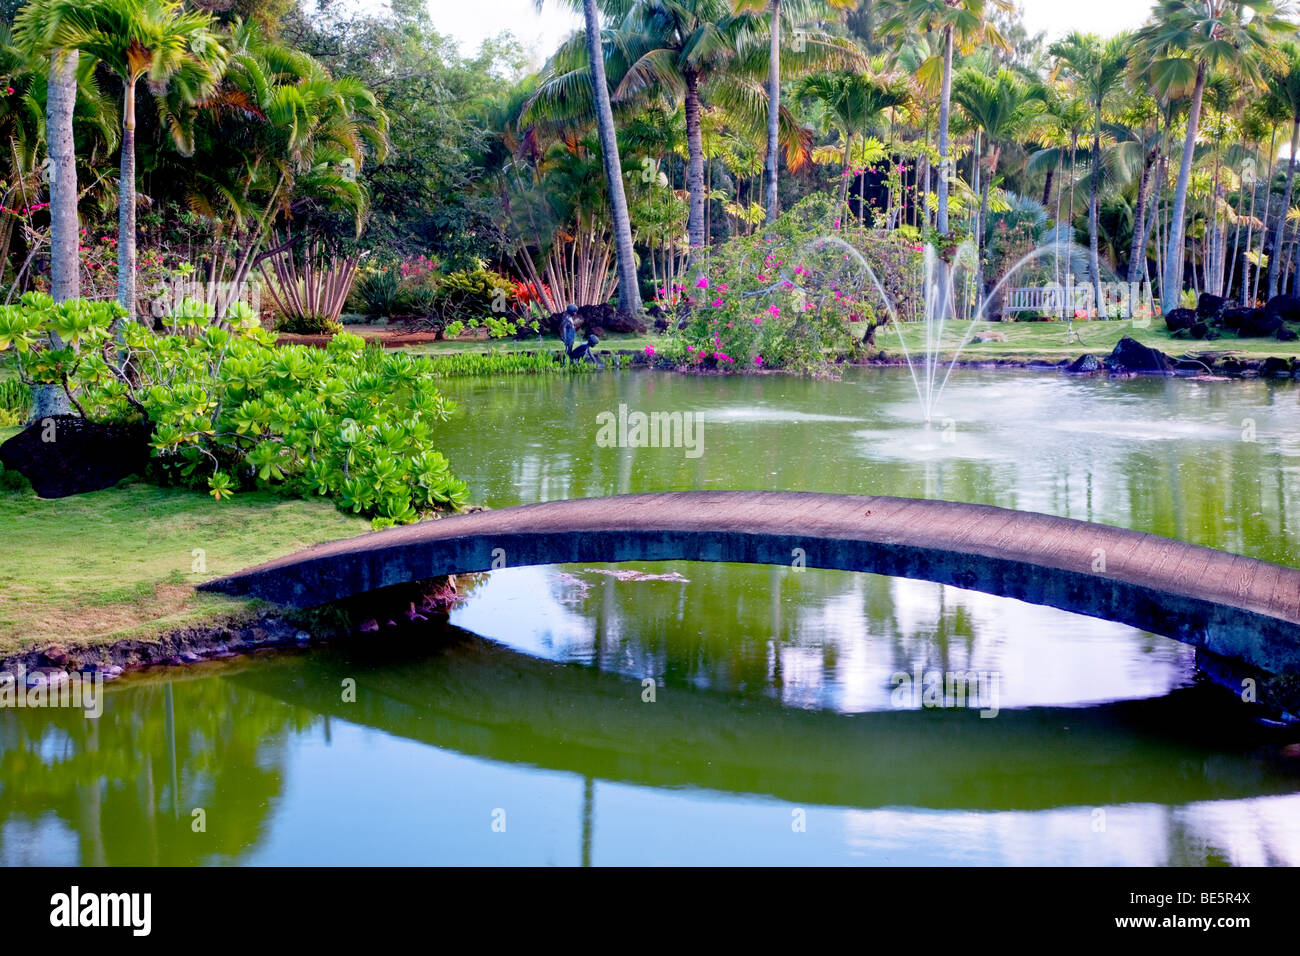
717 303
650 351
703 283
758 360
774 311
722 288
761 277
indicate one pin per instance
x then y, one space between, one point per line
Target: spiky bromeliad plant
230 410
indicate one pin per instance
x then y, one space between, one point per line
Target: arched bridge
1230 605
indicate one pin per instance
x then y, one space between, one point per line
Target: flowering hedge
790 298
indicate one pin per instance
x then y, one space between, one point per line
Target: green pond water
521 732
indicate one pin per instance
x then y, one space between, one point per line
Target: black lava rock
1232 319
68 455
1180 319
1208 306
1259 325
1284 307
1131 355
1084 365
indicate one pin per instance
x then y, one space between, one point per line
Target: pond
695 713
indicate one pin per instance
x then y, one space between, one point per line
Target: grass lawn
1046 341
118 563
1049 341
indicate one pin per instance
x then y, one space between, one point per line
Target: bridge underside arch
1230 605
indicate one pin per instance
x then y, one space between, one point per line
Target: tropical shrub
309 295
231 411
378 289
789 298
470 295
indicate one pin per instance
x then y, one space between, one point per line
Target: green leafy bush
231 410
470 295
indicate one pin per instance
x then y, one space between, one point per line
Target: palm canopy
1098 67
295 132
1282 80
1185 35
659 47
1004 106
853 101
136 39
968 19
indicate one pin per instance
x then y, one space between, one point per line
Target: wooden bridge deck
1231 605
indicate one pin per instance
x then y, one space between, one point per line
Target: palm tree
629 289
33 24
853 102
290 133
962 22
1186 40
801 9
687 51
134 39
1097 68
1283 82
1002 107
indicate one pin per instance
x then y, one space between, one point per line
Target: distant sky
472 21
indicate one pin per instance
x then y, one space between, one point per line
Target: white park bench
1050 300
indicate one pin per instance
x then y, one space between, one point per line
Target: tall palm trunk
65 263
1275 261
774 116
1244 285
1138 249
629 291
1268 202
1094 250
981 227
1172 285
945 112
695 171
126 208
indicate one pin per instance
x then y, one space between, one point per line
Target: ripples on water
773 689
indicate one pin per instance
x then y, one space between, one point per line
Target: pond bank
262 627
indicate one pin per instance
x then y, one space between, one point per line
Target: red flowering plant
787 299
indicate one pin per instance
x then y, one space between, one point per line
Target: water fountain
930 374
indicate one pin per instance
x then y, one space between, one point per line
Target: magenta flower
703 283
650 351
758 360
